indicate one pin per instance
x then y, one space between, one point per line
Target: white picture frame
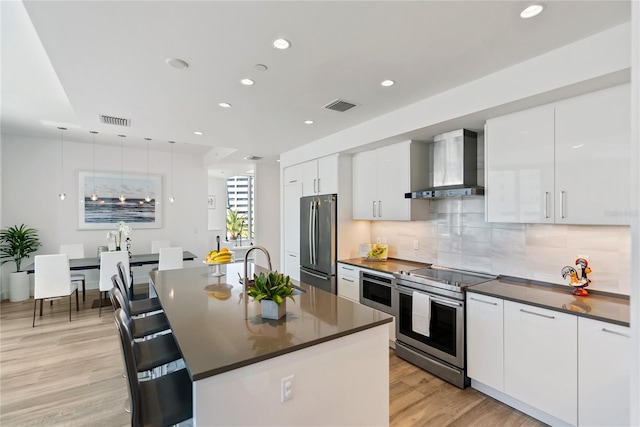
105 212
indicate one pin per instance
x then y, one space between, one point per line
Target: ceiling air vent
255 158
111 120
339 105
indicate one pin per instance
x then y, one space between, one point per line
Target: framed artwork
107 210
211 202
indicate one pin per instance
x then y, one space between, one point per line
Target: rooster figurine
579 283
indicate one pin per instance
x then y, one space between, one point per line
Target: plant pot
19 286
271 310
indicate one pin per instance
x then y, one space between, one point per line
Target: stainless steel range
430 319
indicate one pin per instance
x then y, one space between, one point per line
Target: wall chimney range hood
454 166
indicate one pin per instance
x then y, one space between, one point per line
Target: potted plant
16 244
235 224
271 290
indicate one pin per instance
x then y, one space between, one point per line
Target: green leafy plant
17 243
274 286
235 224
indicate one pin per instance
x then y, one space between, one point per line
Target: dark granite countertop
606 307
391 265
225 332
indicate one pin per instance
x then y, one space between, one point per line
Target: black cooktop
449 277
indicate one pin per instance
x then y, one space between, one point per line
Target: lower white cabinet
603 373
485 340
540 359
292 265
349 281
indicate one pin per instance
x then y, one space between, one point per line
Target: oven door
375 291
446 327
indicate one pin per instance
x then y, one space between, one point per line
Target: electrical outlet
416 245
378 239
286 388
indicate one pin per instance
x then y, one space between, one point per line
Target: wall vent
339 105
111 120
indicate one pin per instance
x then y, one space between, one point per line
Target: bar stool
140 327
161 401
136 307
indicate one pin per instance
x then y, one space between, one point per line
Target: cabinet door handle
318 185
562 197
292 181
379 208
537 314
546 204
347 268
609 331
348 280
314 186
374 208
486 302
292 255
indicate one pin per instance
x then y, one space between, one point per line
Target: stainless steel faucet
246 261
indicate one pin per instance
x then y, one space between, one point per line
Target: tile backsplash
456 235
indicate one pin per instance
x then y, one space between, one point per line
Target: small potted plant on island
271 290
16 244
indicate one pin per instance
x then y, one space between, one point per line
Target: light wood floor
70 374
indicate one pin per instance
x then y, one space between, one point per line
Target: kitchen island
335 350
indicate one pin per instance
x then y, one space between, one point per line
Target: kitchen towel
421 313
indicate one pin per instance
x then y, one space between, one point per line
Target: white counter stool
75 251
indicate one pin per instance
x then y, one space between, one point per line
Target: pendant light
171 198
62 194
94 196
122 198
147 198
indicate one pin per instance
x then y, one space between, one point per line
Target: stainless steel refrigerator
318 239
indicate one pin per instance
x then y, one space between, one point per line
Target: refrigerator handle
310 232
315 232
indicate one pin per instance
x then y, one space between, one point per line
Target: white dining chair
156 245
75 251
52 280
170 258
108 267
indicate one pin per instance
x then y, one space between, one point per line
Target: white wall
217 216
267 212
31 184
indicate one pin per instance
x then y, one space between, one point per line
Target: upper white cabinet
566 162
540 358
382 177
320 176
604 370
293 174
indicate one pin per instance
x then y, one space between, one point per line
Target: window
240 207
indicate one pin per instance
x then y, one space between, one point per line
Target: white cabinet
291 208
485 340
293 174
592 152
540 359
604 370
565 162
320 176
519 164
382 177
349 281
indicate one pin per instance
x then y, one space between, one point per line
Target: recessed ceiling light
247 82
261 67
224 105
177 63
308 122
387 83
532 10
198 132
281 44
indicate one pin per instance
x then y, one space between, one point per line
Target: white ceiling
87 58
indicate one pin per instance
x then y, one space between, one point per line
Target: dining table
93 263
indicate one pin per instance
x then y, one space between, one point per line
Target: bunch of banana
215 257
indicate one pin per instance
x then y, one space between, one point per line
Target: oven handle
437 300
